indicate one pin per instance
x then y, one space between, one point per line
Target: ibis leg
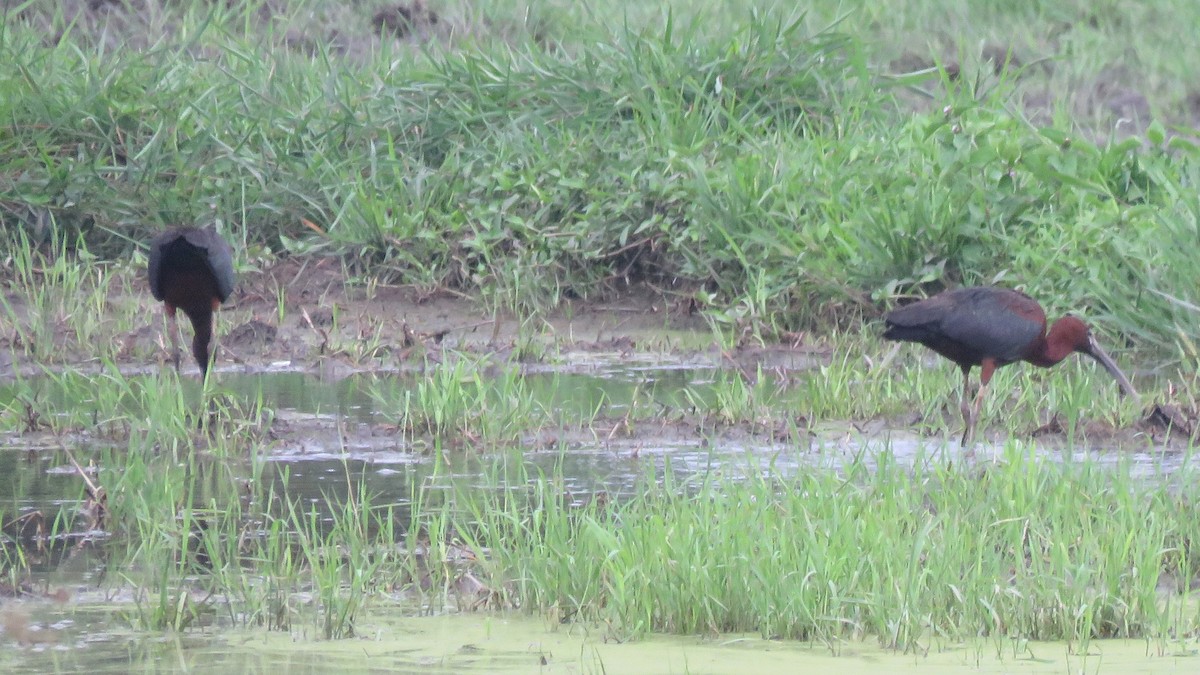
988 368
965 407
969 434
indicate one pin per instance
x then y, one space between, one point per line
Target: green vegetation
1023 549
773 170
1027 548
204 533
781 169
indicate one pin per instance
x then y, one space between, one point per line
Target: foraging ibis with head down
990 327
191 269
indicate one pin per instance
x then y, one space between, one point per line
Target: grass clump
55 299
1026 549
461 400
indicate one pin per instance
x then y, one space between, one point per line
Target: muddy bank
301 316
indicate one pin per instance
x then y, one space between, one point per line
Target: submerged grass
1023 549
207 542
461 400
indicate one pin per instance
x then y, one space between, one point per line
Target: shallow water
339 435
597 463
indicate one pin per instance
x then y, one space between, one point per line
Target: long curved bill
1096 352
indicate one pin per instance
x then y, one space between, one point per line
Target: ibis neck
202 323
1049 350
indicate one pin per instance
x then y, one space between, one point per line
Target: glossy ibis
191 269
991 327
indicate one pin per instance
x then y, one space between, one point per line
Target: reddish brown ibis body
191 269
991 327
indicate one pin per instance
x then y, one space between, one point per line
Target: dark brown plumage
191 269
991 327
